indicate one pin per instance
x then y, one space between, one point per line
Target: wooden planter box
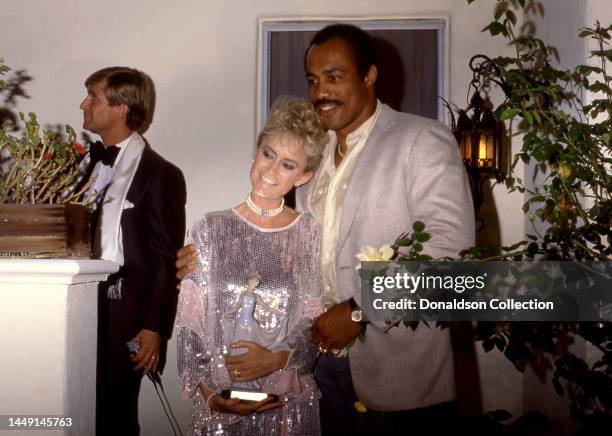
44 230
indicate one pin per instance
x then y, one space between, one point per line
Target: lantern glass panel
482 151
491 150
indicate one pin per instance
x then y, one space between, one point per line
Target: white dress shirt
328 196
103 175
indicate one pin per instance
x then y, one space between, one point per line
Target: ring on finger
237 372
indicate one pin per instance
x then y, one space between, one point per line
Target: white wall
202 57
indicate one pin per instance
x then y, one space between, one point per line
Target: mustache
326 101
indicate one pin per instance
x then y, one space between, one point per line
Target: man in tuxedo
138 222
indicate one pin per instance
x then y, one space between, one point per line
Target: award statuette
246 328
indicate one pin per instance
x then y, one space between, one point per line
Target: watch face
356 315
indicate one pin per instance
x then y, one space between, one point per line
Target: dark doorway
409 62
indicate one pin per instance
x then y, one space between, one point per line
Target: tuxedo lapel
108 241
360 178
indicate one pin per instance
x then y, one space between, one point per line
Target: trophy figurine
246 328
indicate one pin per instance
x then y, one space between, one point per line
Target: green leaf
602 54
511 16
418 226
526 158
495 28
423 237
508 114
599 87
542 153
585 70
528 117
558 116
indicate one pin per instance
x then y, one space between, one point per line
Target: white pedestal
48 339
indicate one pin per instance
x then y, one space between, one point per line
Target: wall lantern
479 136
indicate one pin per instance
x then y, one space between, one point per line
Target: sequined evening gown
229 248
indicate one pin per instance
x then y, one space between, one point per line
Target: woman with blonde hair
245 312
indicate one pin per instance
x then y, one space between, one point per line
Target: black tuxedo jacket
152 231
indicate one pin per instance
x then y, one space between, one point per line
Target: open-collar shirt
327 199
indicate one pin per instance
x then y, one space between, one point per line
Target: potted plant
40 211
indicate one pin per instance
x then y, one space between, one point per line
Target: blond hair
297 117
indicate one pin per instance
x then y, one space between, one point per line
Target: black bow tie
98 152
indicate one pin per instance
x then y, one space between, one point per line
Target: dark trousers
339 416
118 385
337 404
438 419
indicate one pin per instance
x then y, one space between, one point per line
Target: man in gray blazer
381 171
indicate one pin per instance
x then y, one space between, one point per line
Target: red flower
79 148
48 156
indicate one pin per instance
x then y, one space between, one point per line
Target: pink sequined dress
229 248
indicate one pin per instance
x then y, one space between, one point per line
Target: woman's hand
235 405
256 363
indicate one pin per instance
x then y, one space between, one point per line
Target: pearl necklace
264 212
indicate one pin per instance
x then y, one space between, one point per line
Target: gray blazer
409 170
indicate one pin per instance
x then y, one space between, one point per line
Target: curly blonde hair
297 117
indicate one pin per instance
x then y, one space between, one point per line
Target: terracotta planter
44 230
